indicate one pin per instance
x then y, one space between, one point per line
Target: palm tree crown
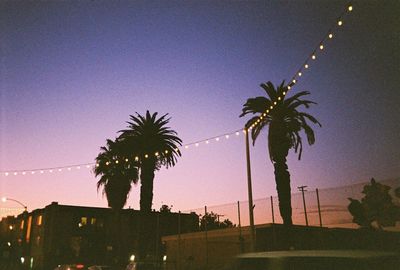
285 124
116 178
155 144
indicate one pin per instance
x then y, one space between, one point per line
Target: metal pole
302 189
158 236
319 209
250 192
272 211
205 226
179 240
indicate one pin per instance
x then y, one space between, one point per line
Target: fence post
302 189
272 211
240 230
205 227
319 209
179 241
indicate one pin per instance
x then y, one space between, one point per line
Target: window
93 221
22 225
28 230
39 220
84 221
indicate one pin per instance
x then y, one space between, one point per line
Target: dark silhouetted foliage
376 209
284 123
165 208
211 222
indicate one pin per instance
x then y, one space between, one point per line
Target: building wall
59 234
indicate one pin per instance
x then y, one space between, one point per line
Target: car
318 260
71 267
101 267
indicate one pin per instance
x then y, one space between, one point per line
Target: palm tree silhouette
117 174
284 123
155 145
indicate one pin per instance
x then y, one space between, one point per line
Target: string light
305 65
299 73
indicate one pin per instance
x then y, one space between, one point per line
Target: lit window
28 229
39 220
93 221
83 221
22 225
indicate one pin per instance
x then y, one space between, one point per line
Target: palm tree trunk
282 179
146 188
146 202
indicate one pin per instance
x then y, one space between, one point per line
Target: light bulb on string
340 23
59 170
313 57
23 173
166 151
207 142
79 167
237 133
321 47
299 74
279 98
69 169
350 8
146 156
330 35
197 144
306 65
217 139
227 136
41 171
186 146
136 158
116 162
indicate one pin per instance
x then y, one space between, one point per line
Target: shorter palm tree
284 123
117 174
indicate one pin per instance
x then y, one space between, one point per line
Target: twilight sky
72 72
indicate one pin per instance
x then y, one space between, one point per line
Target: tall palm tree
155 145
284 123
116 174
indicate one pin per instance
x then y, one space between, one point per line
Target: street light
5 199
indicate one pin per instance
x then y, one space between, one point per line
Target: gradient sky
73 71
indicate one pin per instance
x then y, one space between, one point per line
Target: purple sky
72 72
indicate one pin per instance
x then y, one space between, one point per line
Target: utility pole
250 192
302 189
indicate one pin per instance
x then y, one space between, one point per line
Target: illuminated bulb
107 163
350 8
321 47
274 102
136 158
41 171
227 136
6 174
166 152
267 111
340 22
156 154
284 93
244 131
126 160
264 114
116 162
299 73
313 57
237 133
330 35
15 173
207 142
146 156
261 117
289 87
197 144
306 65
217 139
186 146
271 107
59 170
279 98
87 166
294 81
69 169
79 167
23 173
176 149
50 171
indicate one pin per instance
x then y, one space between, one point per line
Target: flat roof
355 254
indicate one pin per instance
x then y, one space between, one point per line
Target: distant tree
285 123
165 208
376 209
211 222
